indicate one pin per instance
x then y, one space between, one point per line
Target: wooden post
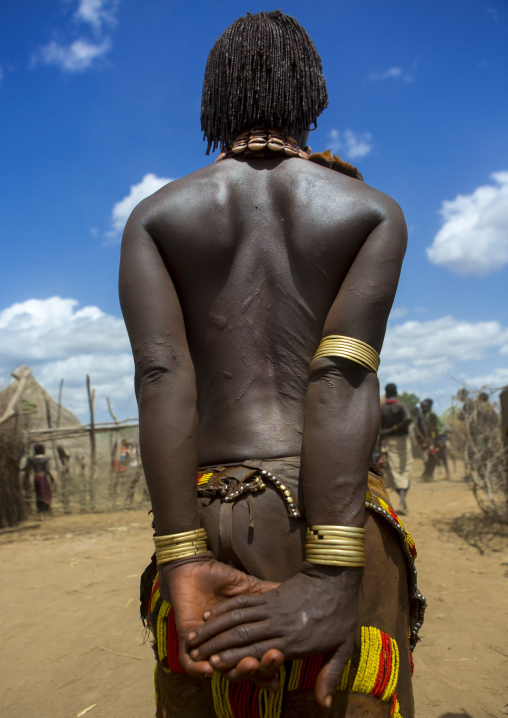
64 474
115 456
82 482
131 481
56 464
93 445
64 478
58 416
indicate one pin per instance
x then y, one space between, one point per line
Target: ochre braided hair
334 162
262 71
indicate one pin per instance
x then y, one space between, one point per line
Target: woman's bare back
257 252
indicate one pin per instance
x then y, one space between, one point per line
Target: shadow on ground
480 531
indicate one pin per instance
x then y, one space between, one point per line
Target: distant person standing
395 421
467 405
39 465
483 430
428 433
486 414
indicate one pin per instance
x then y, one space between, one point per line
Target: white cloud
46 329
61 341
423 356
495 379
77 56
111 375
474 237
398 313
350 144
91 16
445 339
96 12
122 209
394 73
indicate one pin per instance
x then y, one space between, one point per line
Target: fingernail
192 636
206 615
194 653
328 701
214 660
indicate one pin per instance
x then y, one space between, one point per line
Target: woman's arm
168 429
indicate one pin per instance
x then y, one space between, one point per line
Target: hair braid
263 70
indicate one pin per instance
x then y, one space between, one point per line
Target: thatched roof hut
85 459
24 406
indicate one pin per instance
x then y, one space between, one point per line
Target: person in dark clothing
428 433
39 465
395 421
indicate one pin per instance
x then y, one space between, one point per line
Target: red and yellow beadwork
369 503
377 672
378 669
204 478
374 672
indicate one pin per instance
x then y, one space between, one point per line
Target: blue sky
99 106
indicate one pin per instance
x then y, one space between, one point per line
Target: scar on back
218 321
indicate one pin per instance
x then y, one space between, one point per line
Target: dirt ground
72 643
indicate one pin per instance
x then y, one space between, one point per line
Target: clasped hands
246 628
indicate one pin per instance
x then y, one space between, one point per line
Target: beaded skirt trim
218 482
375 671
417 602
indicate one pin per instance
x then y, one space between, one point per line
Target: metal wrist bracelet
180 545
335 546
350 348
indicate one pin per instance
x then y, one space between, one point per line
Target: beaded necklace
261 142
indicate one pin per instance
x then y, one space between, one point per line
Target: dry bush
485 453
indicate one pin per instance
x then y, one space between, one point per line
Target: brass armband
182 545
335 546
349 348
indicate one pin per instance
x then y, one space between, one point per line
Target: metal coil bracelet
335 546
180 545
